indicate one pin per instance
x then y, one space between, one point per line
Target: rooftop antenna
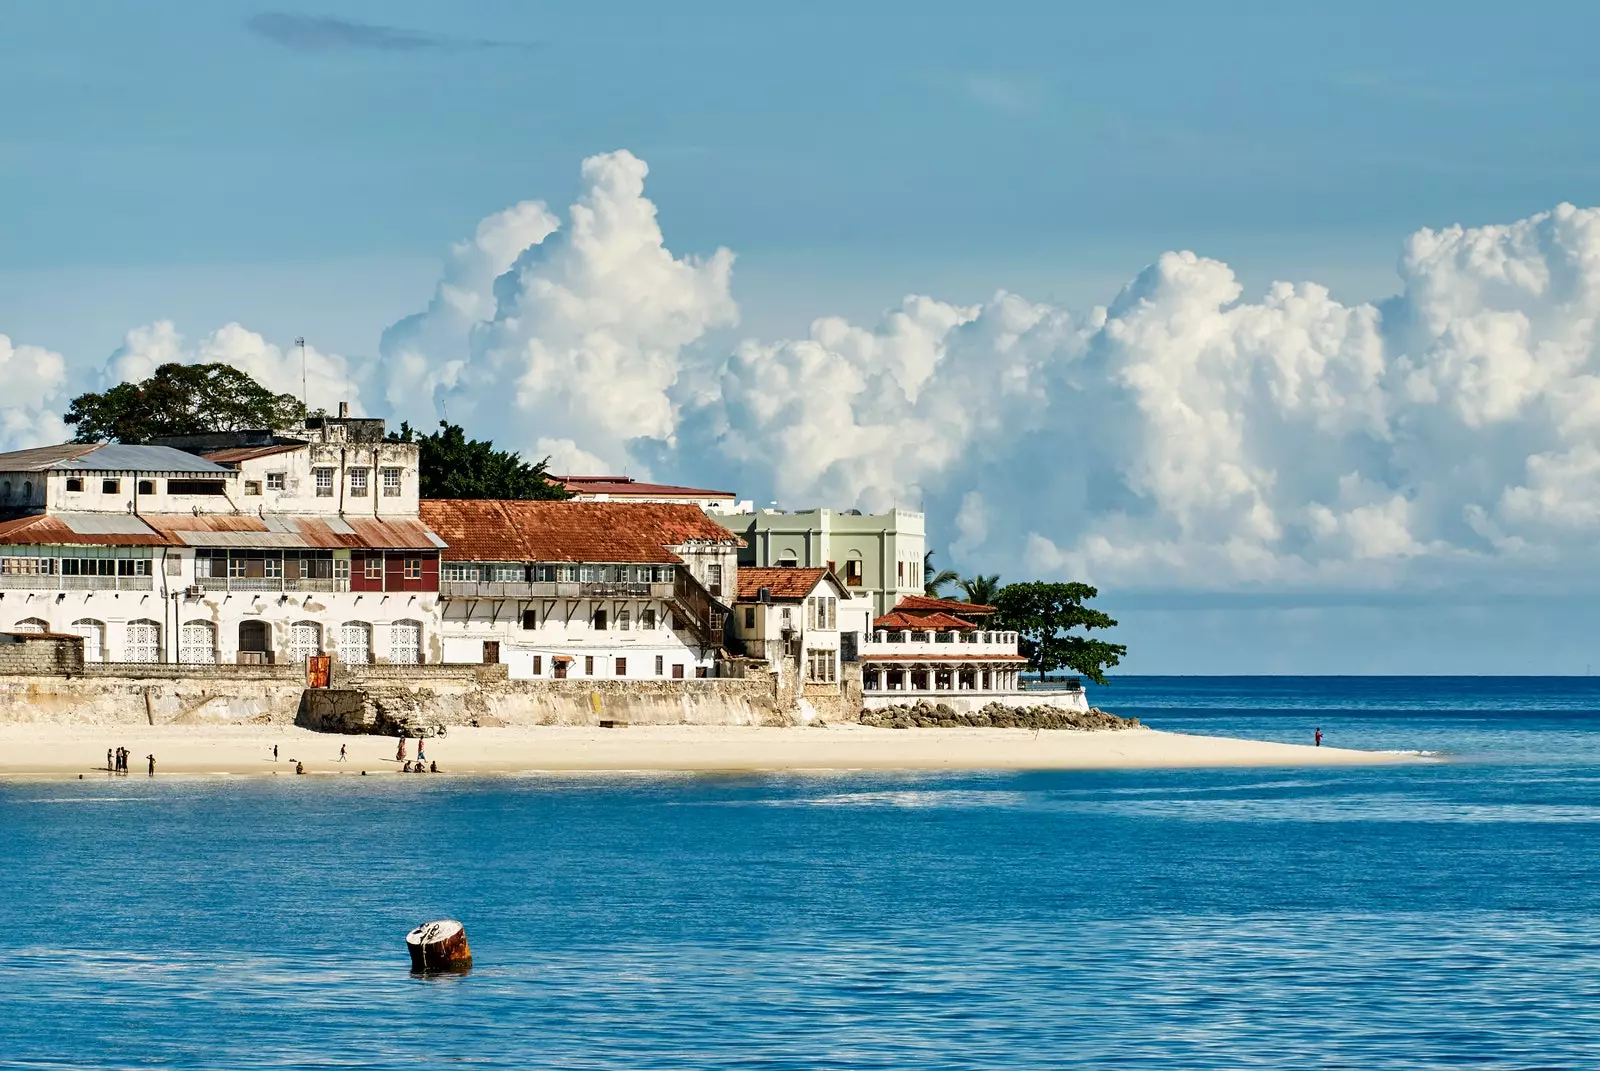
305 396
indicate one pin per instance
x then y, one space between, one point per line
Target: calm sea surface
1434 916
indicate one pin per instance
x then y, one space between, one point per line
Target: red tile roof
785 584
626 486
496 530
894 620
917 603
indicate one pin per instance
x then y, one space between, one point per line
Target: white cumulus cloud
35 395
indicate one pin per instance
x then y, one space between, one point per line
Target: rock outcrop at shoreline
925 715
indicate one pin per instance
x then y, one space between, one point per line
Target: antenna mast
305 397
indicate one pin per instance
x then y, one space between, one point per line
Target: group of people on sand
117 761
422 765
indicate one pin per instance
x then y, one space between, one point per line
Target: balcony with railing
57 582
951 644
270 584
554 589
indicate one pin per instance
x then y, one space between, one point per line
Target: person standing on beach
341 752
420 756
152 759
1319 736
274 752
400 752
108 760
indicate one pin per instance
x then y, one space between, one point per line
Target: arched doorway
305 640
255 643
197 643
143 642
94 638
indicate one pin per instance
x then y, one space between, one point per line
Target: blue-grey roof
108 457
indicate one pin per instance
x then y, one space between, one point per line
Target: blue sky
303 170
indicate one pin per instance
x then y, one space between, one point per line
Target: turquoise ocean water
1444 915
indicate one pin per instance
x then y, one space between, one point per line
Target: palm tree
934 579
981 590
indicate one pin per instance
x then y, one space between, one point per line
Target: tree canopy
936 580
454 466
1044 615
181 399
980 590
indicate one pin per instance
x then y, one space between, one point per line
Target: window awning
561 658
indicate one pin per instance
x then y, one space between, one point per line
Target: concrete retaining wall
461 699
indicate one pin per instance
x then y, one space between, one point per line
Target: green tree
454 466
181 399
1045 614
980 590
933 580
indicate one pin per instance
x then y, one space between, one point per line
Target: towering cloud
1184 435
35 382
588 327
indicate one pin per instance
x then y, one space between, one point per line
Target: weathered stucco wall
270 694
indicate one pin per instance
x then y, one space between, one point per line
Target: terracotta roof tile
496 530
785 584
949 606
895 620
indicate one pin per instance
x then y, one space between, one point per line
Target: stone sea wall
159 695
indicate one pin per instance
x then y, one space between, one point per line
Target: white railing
272 584
56 582
946 644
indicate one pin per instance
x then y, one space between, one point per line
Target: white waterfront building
270 548
584 589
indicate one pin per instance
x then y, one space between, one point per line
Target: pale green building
874 554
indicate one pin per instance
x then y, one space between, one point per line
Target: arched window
255 638
405 643
5 491
94 638
305 640
197 643
788 559
355 642
854 571
142 642
31 625
27 491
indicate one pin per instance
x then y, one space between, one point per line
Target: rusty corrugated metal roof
498 530
235 454
48 530
625 486
294 530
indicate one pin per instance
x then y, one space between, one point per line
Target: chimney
344 410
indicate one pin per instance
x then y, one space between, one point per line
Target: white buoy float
439 946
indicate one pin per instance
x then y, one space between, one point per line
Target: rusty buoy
439 946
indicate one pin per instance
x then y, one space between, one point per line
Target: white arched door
197 643
405 642
305 640
355 643
94 638
143 642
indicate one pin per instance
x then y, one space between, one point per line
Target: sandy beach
54 750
